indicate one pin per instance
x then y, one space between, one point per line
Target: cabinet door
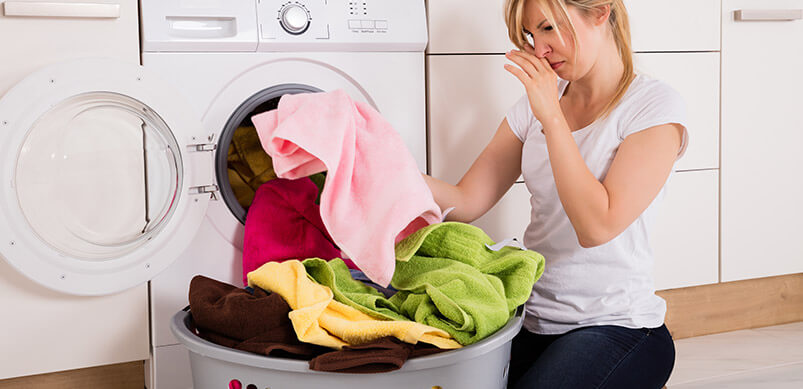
457 26
509 217
762 189
696 77
684 237
468 97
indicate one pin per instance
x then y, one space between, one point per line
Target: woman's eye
548 28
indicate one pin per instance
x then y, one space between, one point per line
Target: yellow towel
318 319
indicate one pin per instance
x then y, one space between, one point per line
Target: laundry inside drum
248 166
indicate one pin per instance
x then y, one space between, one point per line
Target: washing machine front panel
104 176
246 85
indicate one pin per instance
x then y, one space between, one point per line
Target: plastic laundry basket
482 365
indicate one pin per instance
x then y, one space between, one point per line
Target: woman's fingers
524 63
520 74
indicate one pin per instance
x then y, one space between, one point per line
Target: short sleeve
657 104
520 118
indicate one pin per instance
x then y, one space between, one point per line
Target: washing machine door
104 176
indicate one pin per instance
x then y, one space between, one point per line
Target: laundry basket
482 365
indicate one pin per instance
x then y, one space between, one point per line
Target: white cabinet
30 42
682 25
42 330
762 133
455 26
468 97
684 237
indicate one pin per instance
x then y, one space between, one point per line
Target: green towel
335 274
448 279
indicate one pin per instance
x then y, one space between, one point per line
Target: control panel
283 25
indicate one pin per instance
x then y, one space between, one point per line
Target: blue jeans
592 357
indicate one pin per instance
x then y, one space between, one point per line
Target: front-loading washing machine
122 169
239 59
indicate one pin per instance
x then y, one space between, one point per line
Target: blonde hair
618 20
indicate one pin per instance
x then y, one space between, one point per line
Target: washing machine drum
242 164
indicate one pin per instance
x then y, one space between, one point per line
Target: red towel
284 223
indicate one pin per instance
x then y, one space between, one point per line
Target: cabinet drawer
685 234
30 42
686 25
468 97
509 217
682 25
696 77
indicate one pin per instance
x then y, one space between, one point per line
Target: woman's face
561 56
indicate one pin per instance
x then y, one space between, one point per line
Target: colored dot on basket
235 384
251 386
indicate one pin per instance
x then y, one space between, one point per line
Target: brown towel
232 317
383 355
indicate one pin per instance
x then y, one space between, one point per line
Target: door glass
98 175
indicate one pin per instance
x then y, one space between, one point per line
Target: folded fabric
449 279
318 319
285 223
336 276
383 355
233 317
374 194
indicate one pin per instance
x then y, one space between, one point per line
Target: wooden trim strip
130 375
730 306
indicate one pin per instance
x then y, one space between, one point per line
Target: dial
294 18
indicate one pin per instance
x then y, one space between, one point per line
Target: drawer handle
768 15
62 10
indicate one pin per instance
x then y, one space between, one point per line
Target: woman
595 148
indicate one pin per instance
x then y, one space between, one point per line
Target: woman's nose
541 49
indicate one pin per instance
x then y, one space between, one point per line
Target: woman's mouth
556 65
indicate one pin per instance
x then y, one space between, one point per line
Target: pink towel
283 222
374 195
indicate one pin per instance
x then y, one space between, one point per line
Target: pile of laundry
365 274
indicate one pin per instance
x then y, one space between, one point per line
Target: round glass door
105 176
98 175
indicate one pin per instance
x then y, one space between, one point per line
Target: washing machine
233 59
114 175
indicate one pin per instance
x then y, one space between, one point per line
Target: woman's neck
599 85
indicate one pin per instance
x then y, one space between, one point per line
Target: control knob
294 18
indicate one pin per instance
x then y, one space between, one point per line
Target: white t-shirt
611 284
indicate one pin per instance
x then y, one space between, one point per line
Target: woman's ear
601 14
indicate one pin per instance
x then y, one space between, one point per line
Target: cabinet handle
768 15
62 10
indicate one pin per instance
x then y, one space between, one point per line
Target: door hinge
204 189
